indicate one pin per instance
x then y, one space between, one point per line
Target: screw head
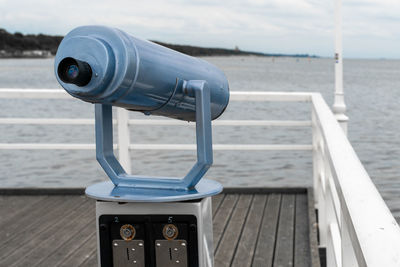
127 232
170 232
115 244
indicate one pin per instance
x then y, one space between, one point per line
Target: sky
371 28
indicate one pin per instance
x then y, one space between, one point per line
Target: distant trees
20 42
14 45
205 51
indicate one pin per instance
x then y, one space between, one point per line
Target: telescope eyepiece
74 71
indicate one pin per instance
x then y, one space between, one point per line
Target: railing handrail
124 121
138 146
373 230
18 93
166 122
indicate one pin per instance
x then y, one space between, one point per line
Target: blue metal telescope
108 67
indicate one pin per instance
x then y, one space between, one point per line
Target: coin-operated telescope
146 221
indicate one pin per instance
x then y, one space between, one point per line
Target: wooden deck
259 227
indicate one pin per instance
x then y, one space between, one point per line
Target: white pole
339 107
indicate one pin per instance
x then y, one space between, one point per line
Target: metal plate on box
171 253
128 253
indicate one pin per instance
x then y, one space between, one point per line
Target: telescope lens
74 71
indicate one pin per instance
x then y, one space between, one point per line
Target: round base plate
109 192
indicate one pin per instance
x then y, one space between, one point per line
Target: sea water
372 95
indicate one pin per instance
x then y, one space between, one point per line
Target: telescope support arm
105 155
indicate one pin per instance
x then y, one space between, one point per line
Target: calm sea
372 92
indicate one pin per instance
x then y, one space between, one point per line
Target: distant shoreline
18 45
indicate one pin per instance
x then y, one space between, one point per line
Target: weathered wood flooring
263 229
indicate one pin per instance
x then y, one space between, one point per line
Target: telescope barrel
105 65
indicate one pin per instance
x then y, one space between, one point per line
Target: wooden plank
18 207
54 233
26 191
216 202
8 203
91 261
222 217
247 243
285 235
264 190
80 255
301 238
264 253
248 229
226 249
26 226
58 255
28 229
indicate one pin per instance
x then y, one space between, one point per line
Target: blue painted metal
139 75
104 145
109 192
142 76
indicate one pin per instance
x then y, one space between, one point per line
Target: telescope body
108 67
135 74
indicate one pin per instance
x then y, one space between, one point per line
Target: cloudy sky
371 28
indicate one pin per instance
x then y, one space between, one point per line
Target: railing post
123 139
339 107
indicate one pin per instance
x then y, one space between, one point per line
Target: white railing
123 122
355 225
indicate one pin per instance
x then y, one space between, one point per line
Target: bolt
177 261
183 244
133 249
134 262
115 244
176 249
140 244
170 231
127 232
158 244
